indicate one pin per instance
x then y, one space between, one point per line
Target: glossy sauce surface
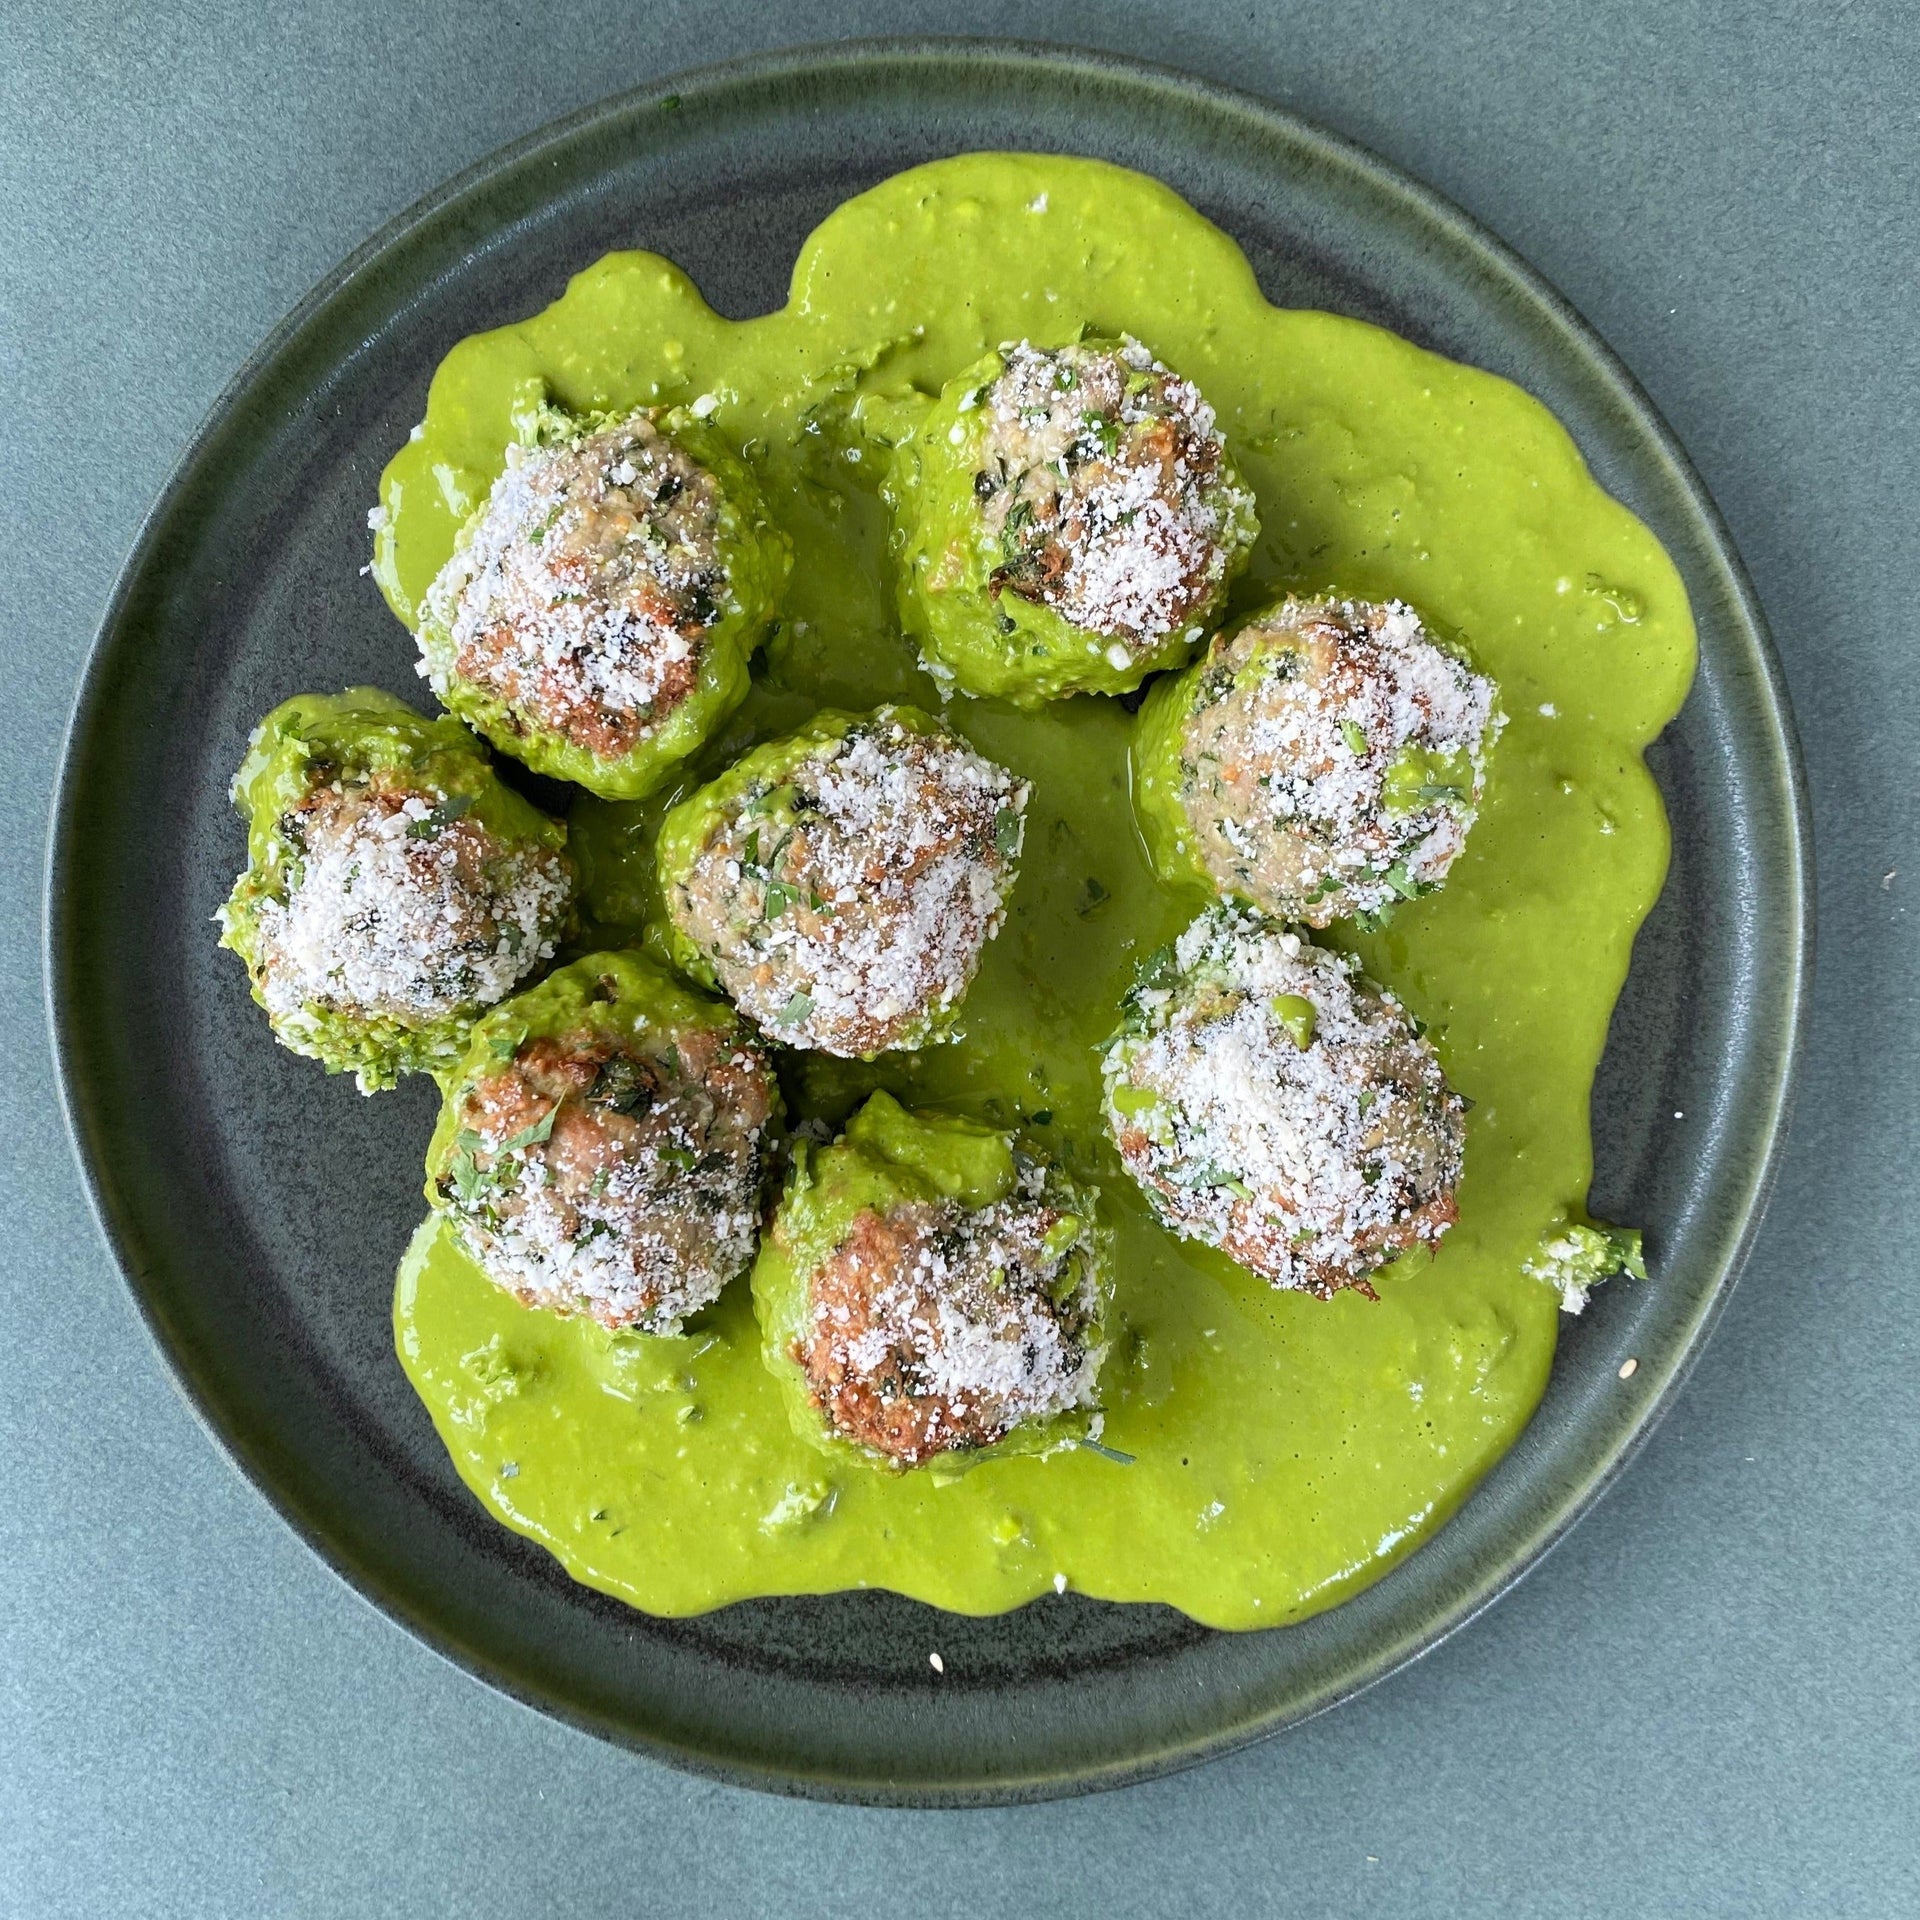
1278 1452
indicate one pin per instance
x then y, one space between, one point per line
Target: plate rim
1048 60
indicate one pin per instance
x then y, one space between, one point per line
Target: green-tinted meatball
1325 759
598 613
602 1148
1069 521
839 885
1273 1103
394 888
930 1291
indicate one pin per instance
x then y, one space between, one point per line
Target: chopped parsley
532 1136
449 808
1402 882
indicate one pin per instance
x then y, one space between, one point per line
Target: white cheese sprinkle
1138 523
389 913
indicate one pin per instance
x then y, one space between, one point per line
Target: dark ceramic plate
259 1210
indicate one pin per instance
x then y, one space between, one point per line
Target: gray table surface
1705 1702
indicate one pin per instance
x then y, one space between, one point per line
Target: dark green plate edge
289 351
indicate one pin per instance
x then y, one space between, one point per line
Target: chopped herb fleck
533 1135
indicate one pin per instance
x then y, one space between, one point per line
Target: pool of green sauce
1284 1451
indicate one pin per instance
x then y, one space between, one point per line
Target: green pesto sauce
1286 1451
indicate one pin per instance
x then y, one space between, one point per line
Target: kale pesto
1268 1454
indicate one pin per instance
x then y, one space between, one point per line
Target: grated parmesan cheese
1102 474
1333 758
1310 1163
393 911
846 911
582 594
619 1182
936 1327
